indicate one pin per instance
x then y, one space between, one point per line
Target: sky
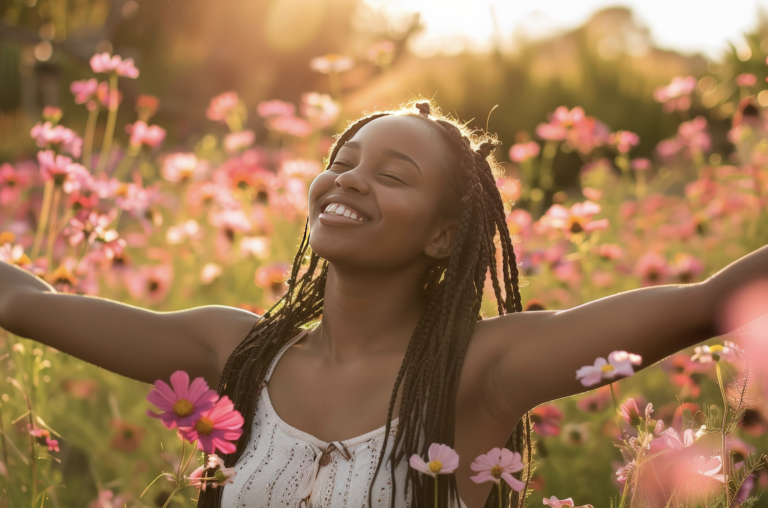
688 26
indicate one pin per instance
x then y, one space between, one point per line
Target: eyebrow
387 153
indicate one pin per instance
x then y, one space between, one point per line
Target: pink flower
104 63
596 401
715 352
266 109
216 428
319 108
746 79
498 464
521 152
46 134
147 106
546 420
14 255
213 468
182 167
331 63
623 472
107 98
577 219
624 140
221 105
184 403
676 95
509 189
610 251
560 503
559 123
442 460
290 125
234 142
271 278
84 90
709 467
305 169
141 133
43 437
652 269
210 272
672 439
619 364
55 167
107 499
630 412
686 267
640 164
52 114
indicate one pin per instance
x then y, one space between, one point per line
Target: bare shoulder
220 329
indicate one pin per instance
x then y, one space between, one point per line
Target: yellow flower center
183 407
435 466
204 426
717 348
607 367
496 472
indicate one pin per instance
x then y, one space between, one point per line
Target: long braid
452 291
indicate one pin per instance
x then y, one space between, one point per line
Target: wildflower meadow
113 209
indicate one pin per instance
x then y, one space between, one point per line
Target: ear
441 244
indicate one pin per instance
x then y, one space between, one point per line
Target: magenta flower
442 460
560 503
497 464
84 90
141 133
619 364
630 412
546 420
103 63
624 140
266 109
521 152
216 428
184 403
221 105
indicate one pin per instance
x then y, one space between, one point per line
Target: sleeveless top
285 467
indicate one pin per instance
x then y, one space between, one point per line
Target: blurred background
687 77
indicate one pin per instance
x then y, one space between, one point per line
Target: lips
337 209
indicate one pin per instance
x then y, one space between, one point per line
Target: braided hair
452 291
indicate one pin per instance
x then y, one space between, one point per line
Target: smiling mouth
344 211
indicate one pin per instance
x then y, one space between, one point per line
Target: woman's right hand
131 341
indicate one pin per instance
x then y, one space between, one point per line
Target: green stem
726 457
44 211
499 486
106 145
546 178
616 408
436 490
52 229
90 128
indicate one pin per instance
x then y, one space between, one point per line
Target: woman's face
390 178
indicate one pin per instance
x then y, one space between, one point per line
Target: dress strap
280 354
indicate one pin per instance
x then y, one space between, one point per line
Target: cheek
320 186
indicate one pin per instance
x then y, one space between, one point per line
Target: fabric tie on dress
323 458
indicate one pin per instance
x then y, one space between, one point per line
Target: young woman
403 227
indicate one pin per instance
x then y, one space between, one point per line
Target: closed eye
393 177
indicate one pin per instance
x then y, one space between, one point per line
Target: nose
352 180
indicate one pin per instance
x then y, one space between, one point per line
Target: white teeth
361 219
353 215
337 209
340 210
347 213
331 207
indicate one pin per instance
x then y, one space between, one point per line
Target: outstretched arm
135 342
546 348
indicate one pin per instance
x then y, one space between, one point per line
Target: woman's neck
367 312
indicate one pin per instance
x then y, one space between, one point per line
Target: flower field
122 215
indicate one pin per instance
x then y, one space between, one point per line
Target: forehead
409 134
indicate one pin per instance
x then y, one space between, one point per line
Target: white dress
285 467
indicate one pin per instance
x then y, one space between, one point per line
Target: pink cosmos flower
630 412
104 63
84 90
271 278
234 142
182 404
640 164
498 464
14 255
577 219
86 226
709 467
221 105
216 428
320 109
619 364
331 63
715 352
291 125
45 135
141 133
442 460
596 401
560 503
182 167
546 420
13 181
624 140
149 282
610 251
107 98
521 152
266 109
686 268
672 439
676 95
55 167
652 269
559 123
746 79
